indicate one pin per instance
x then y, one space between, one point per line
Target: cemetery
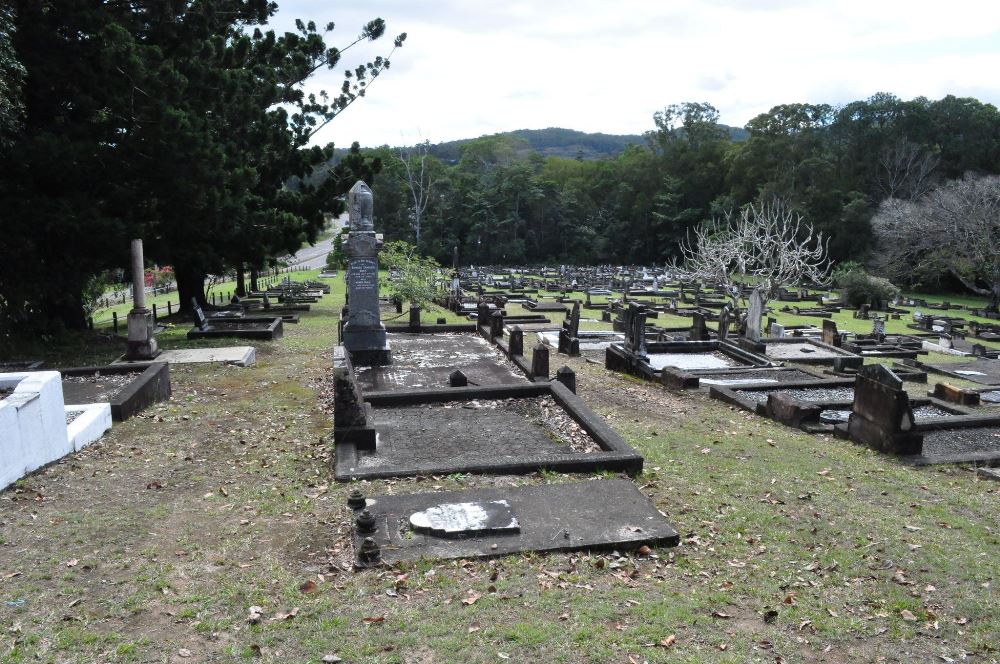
693 393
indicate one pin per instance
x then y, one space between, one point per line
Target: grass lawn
153 544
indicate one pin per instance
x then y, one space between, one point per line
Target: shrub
857 287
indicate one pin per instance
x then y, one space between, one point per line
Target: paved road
313 257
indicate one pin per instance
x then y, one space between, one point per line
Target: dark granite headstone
699 330
457 379
567 377
882 416
364 334
200 321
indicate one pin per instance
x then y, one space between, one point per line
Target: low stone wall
32 424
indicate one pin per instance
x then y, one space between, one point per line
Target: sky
475 67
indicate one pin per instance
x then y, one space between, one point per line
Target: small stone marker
777 330
516 346
567 377
457 379
465 519
699 329
540 362
831 335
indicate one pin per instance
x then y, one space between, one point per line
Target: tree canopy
178 122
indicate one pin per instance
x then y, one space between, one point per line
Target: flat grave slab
241 356
426 361
694 361
754 377
806 352
589 340
985 372
958 445
598 514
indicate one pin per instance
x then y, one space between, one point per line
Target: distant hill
553 142
556 142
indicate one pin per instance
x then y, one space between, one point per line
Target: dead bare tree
905 171
954 228
767 244
419 179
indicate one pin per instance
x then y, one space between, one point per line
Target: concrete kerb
149 387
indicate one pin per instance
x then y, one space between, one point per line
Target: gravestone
200 321
496 325
882 417
777 330
831 335
635 329
141 326
364 334
699 330
724 323
754 314
569 342
878 329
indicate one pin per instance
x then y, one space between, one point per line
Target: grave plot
243 328
809 351
505 429
427 361
983 371
502 430
883 417
128 388
501 521
589 339
671 361
737 377
817 405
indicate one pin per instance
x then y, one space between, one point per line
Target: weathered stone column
364 334
141 327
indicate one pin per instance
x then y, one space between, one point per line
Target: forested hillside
502 199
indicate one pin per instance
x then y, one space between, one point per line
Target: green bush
857 287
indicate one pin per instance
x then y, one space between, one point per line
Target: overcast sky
474 67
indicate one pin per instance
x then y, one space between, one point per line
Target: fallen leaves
285 615
471 598
373 620
254 614
308 587
669 641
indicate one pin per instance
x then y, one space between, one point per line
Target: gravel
108 385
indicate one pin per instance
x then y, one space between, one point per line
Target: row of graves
47 414
815 379
416 400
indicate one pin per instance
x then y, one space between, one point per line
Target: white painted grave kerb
32 423
94 419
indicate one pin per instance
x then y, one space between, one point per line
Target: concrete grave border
92 423
150 386
617 455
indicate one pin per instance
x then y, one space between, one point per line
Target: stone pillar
496 325
516 344
567 377
540 362
364 334
141 326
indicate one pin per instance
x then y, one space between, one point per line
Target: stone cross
754 314
364 334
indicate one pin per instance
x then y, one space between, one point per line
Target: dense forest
501 201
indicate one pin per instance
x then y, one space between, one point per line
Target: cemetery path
210 530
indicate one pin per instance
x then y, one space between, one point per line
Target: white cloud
471 67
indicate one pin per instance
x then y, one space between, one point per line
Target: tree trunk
190 284
994 304
253 280
241 285
67 309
